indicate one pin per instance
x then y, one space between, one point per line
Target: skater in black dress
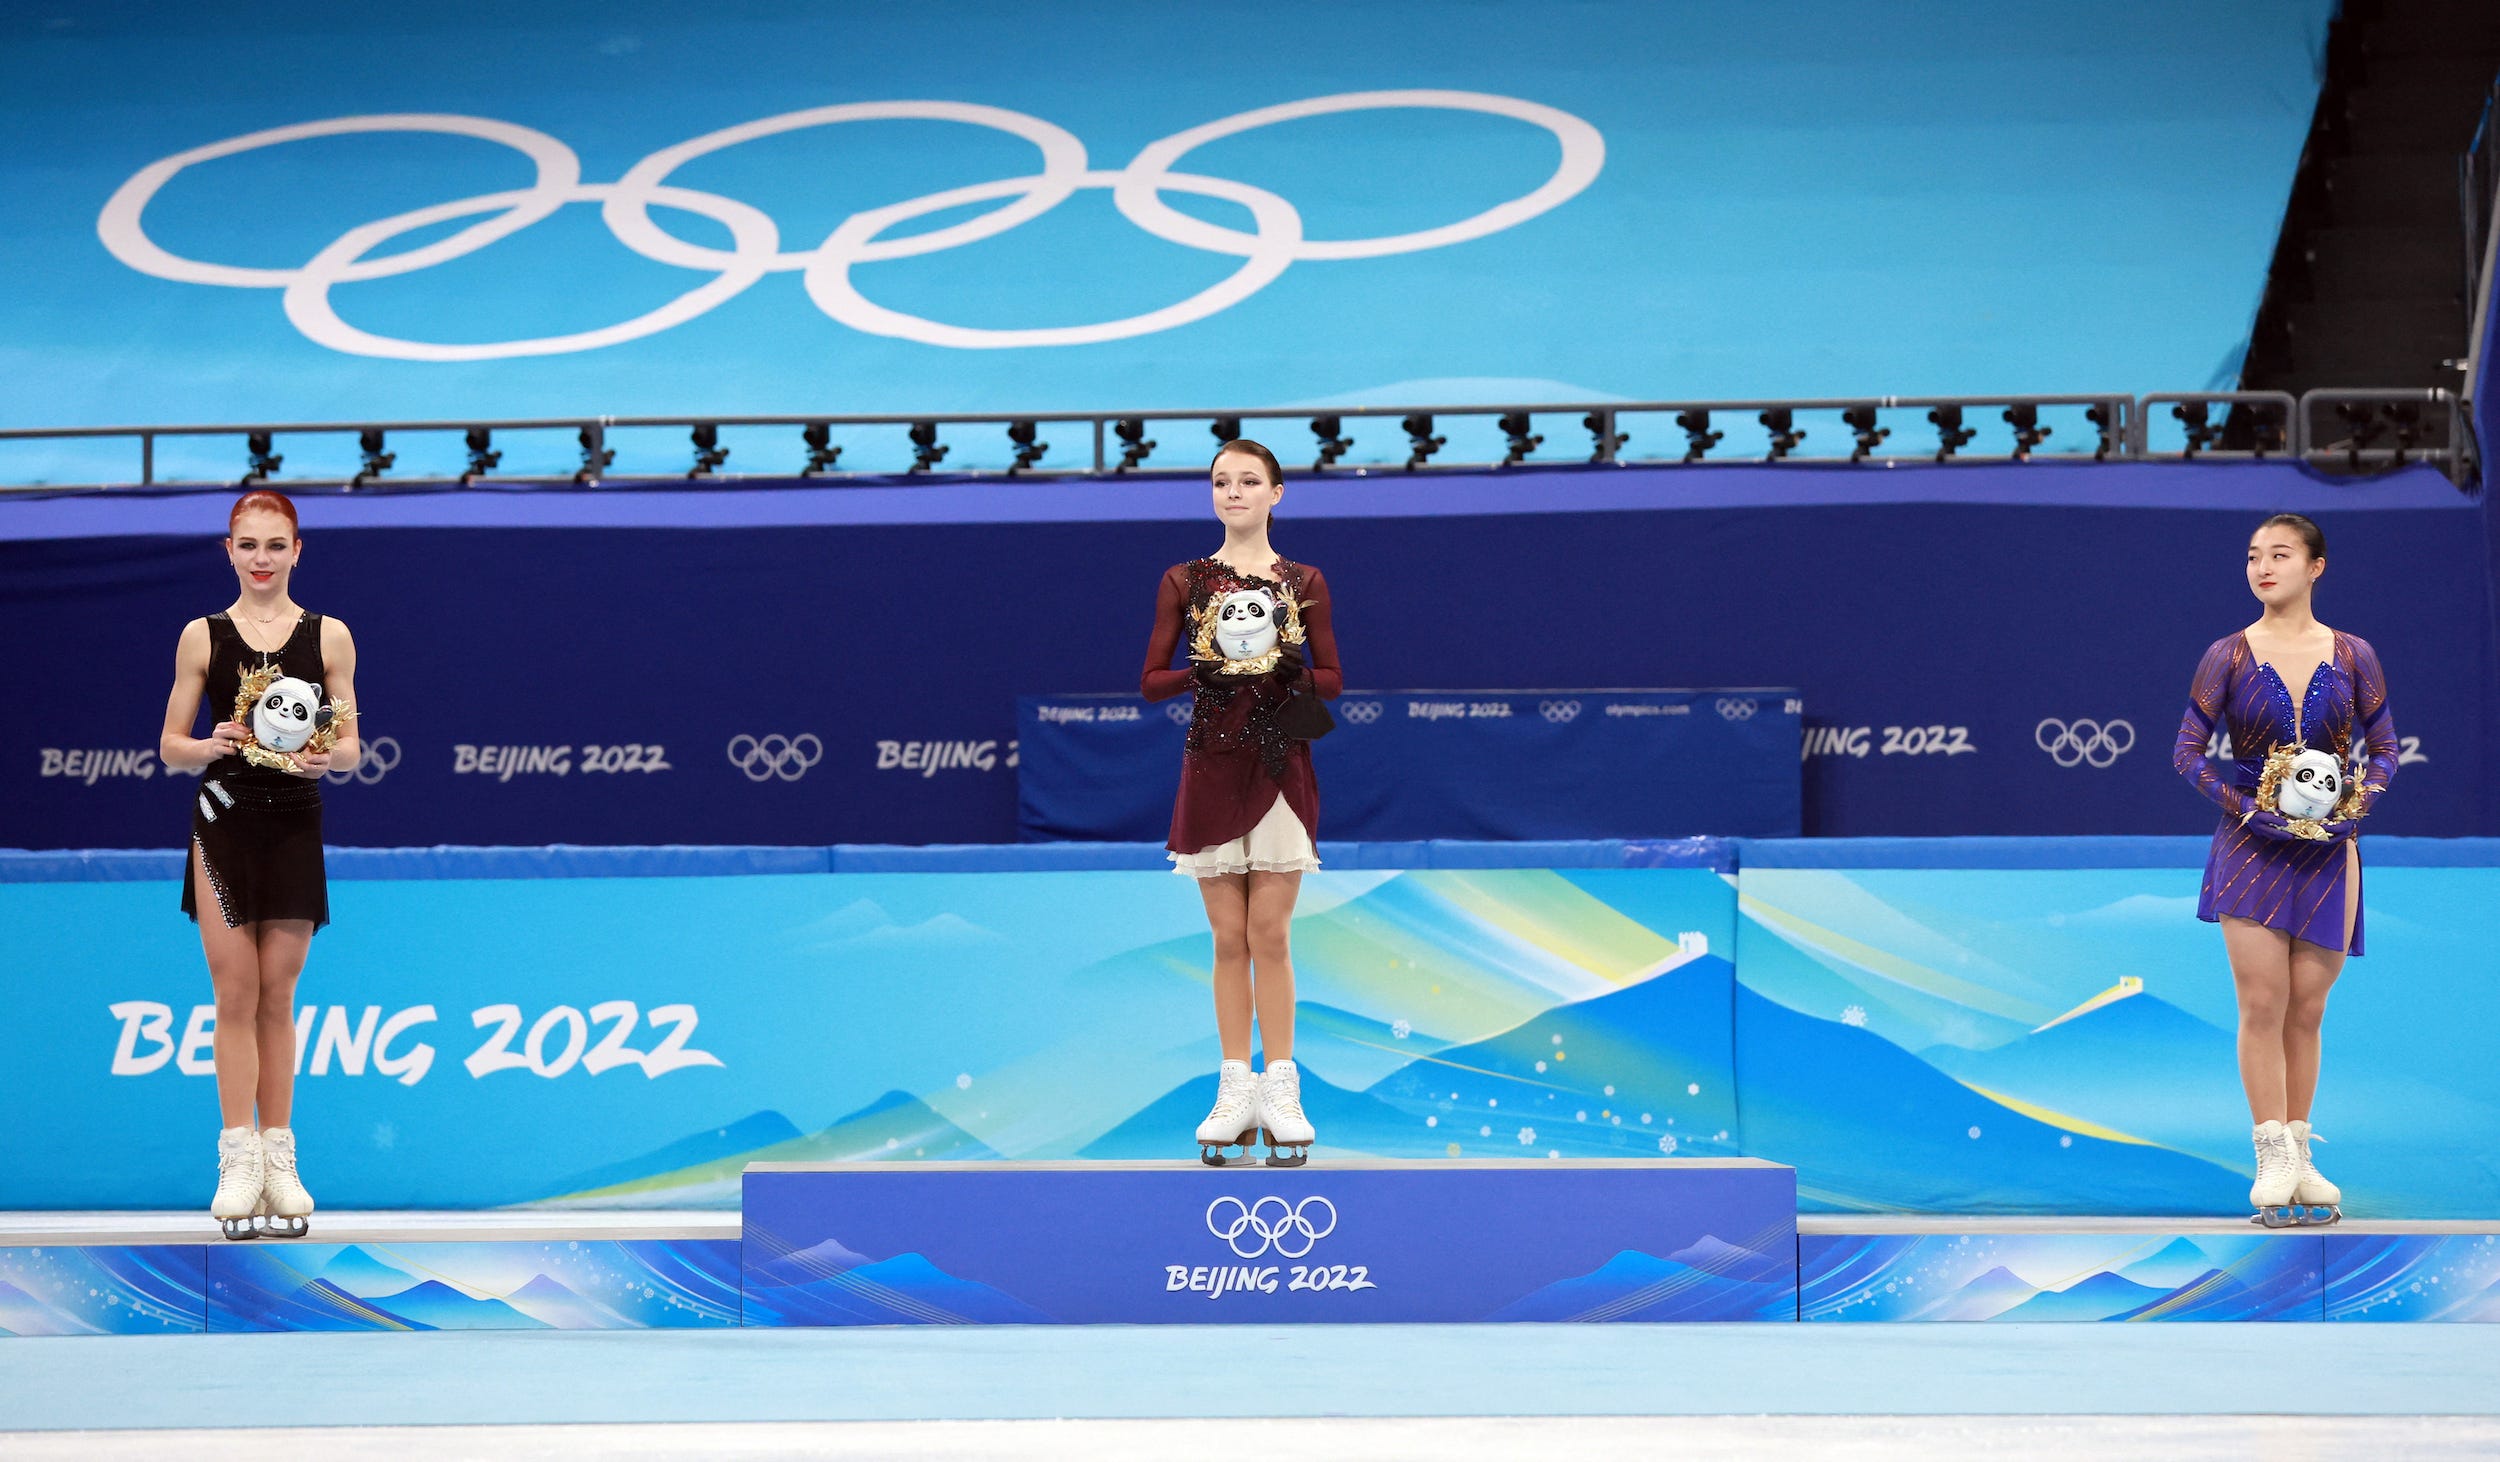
255 883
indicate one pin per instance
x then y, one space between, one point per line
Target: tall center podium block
1371 1240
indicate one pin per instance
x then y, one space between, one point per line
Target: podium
1350 1241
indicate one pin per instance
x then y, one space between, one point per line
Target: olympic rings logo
1179 711
763 758
1737 708
1360 713
1290 1221
1558 712
1275 242
381 754
2082 742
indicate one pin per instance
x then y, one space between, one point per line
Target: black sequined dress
258 829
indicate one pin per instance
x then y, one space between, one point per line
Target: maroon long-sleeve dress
2297 887
1237 763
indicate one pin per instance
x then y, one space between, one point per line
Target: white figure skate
1235 1119
2313 1198
238 1182
284 1205
2278 1174
1289 1133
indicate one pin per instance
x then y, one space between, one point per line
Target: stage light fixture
1698 437
1420 441
374 460
1603 437
482 454
2197 419
1333 443
1862 428
708 452
1514 425
1781 423
821 452
1951 435
925 451
2104 419
1135 445
2028 432
597 455
1028 451
1226 429
259 460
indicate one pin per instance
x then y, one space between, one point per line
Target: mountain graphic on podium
703 1171
1708 1280
824 1286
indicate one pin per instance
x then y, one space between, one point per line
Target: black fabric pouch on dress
1304 716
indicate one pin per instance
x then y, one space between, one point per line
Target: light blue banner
566 208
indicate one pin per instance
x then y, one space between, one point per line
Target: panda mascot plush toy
284 717
2310 790
1245 624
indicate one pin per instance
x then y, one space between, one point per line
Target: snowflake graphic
1854 1015
1400 1030
1666 1143
1527 1137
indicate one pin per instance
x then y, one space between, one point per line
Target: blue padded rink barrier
1447 1390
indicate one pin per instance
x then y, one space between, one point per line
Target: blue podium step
1948 1267
1348 1241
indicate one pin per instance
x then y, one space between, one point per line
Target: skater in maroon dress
254 880
1253 632
2286 891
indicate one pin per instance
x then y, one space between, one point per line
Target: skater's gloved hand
2342 828
1289 663
2271 825
1207 672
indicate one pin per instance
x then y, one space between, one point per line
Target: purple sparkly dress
2297 887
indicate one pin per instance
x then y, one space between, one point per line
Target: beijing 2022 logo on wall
1273 243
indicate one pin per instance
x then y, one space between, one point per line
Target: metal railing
2358 429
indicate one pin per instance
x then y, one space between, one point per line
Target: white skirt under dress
1279 844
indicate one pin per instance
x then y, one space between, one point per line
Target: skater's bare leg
283 945
1228 915
2313 974
1271 953
234 973
2261 968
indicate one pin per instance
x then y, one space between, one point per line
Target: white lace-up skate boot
1289 1133
283 1202
238 1182
2313 1192
2278 1173
1235 1117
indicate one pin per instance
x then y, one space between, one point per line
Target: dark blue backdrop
1494 766
1948 629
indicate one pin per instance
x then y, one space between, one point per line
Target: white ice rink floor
2339 1391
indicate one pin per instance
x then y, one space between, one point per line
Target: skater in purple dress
2286 891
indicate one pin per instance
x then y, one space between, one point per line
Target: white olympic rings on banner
1737 708
1558 712
1290 1220
381 754
766 757
1275 243
2083 741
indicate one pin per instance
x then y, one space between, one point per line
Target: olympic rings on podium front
1288 1225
